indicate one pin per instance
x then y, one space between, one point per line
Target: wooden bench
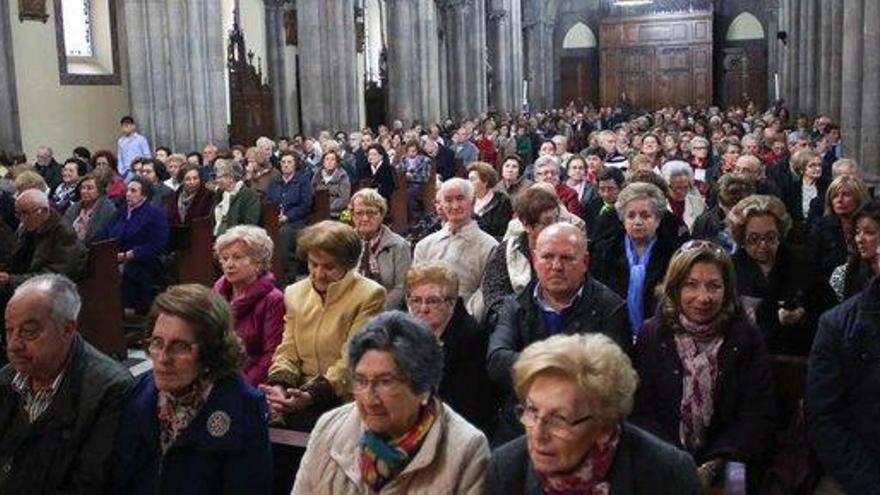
430 190
320 206
399 214
270 223
100 318
195 263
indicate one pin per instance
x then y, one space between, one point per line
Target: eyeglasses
431 302
769 238
701 244
365 213
383 385
174 349
557 426
27 332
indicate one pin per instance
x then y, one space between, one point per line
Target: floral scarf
184 200
380 460
176 412
368 266
697 347
83 220
590 478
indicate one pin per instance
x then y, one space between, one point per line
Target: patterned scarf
697 347
590 478
368 266
184 200
380 459
83 220
176 412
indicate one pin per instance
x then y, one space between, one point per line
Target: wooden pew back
399 215
195 264
100 318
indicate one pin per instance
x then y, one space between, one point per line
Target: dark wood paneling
745 74
658 60
250 100
579 77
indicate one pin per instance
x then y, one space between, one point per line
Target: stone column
505 20
851 75
176 65
870 133
275 63
10 131
807 57
413 56
539 36
774 66
825 74
328 65
836 57
465 28
793 54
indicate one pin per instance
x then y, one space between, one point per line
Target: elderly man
464 149
60 399
460 243
563 299
47 167
45 244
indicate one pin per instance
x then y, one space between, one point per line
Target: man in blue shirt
131 145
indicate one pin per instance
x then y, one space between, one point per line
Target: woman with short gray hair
397 436
684 201
236 204
633 261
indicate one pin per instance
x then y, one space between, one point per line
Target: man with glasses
60 399
563 300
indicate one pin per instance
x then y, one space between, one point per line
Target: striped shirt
35 401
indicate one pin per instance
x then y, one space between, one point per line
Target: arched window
579 36
745 27
85 31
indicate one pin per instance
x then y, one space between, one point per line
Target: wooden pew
269 214
195 264
320 206
100 319
399 215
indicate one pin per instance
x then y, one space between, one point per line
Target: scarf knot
588 478
697 346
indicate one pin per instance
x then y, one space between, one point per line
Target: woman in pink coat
245 253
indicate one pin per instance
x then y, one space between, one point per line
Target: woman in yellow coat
308 373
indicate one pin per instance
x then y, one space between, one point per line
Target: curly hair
221 353
256 242
757 205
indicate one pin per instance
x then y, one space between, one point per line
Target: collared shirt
35 401
554 317
128 148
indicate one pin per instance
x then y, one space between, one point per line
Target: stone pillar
851 75
465 28
275 63
836 57
774 66
793 54
10 131
505 20
869 150
176 66
413 61
825 74
539 36
328 65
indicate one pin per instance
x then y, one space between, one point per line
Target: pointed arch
745 27
579 36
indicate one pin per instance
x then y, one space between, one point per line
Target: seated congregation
579 302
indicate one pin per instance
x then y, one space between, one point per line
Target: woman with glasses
307 376
385 256
574 393
193 425
684 201
774 280
397 436
432 297
706 384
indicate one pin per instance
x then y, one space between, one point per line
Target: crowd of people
593 303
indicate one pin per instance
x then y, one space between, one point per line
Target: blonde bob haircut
336 239
370 198
855 185
800 160
256 242
433 272
757 205
594 362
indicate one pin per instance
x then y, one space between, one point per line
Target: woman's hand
282 218
708 473
788 317
282 401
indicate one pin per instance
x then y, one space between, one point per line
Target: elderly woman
67 191
378 172
832 234
236 204
574 393
173 164
334 179
245 253
323 311
90 215
852 277
803 189
291 193
710 225
191 200
193 425
142 232
259 173
685 202
512 179
701 160
417 167
432 297
492 208
385 256
397 436
104 163
632 261
774 281
509 269
706 384
154 171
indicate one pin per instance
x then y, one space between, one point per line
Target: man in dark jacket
47 167
60 399
843 392
563 300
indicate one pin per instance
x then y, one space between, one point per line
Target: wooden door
745 74
579 77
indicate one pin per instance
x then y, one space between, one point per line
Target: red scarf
590 478
697 347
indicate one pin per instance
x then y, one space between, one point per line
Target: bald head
32 198
563 232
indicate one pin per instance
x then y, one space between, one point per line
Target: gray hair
264 141
228 167
637 191
256 242
466 187
698 141
416 351
838 165
547 160
674 168
35 198
61 295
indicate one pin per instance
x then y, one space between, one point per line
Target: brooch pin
218 424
